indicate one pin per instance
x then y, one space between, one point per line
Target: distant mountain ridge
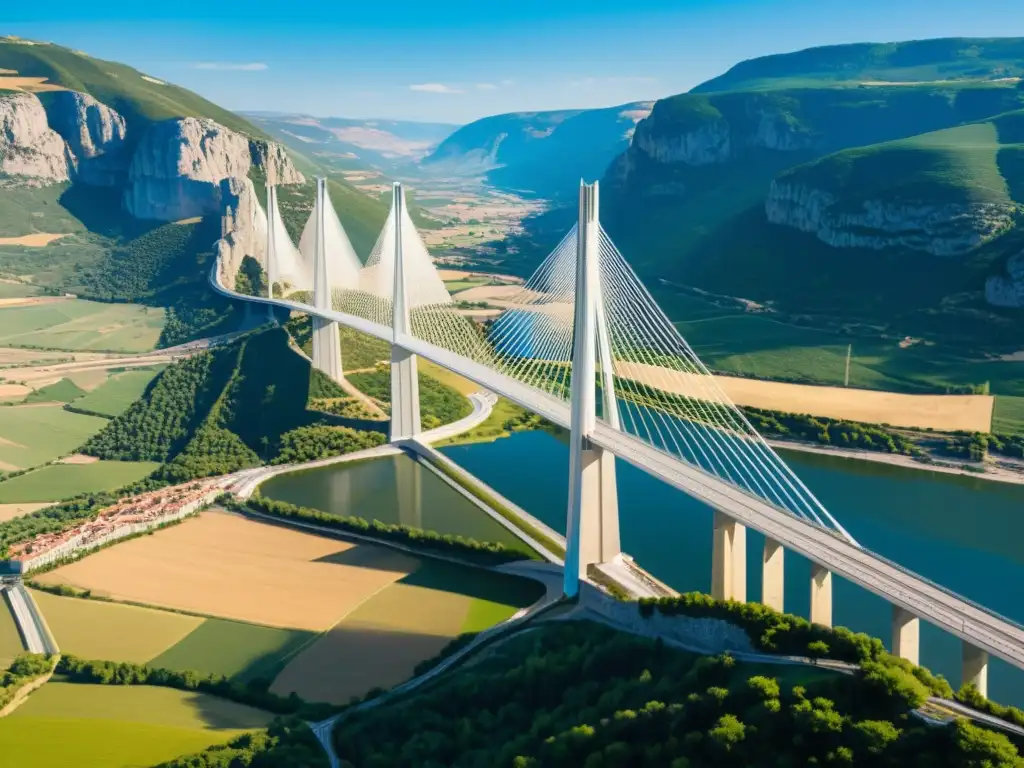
544 153
375 143
832 181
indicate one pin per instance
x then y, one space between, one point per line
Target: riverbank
993 473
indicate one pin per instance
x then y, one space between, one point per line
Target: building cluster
135 514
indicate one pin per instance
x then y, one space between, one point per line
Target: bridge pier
773 574
326 341
906 635
975 667
405 385
729 559
821 595
599 514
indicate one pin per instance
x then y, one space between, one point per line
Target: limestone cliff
243 229
717 138
31 154
941 229
96 134
178 166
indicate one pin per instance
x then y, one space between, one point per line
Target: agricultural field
113 397
75 324
380 642
55 482
31 435
100 726
10 640
224 565
95 629
11 511
1008 415
12 290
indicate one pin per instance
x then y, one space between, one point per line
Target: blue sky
459 60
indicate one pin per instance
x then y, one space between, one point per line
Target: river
962 532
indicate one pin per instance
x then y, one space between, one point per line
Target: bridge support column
729 559
821 595
906 635
405 386
592 524
326 342
773 574
975 667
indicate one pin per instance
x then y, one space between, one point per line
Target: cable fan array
669 399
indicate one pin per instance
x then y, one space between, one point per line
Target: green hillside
116 85
912 61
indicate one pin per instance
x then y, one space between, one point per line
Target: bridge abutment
773 577
906 635
821 595
975 667
729 559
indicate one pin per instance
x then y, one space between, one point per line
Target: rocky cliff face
243 229
94 132
178 166
31 154
941 229
717 140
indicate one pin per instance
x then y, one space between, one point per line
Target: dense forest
581 695
287 742
226 409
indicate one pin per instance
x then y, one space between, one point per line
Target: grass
454 286
17 290
113 726
1008 416
79 325
63 391
114 396
62 481
10 640
235 649
94 629
30 436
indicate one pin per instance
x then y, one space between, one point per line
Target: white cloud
254 66
486 87
433 88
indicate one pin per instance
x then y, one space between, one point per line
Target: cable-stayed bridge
583 344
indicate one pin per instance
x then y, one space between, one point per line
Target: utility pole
846 378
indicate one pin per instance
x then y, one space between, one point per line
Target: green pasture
64 724
79 325
454 286
114 396
95 629
18 290
1008 415
33 435
63 391
235 649
55 482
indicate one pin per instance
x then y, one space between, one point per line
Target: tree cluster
287 742
319 441
784 633
837 432
25 668
580 695
437 400
489 552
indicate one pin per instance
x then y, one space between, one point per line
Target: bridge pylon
326 341
272 260
405 387
592 525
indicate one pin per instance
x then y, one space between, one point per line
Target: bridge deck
937 605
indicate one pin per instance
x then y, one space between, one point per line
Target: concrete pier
773 574
975 667
729 560
906 635
821 595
